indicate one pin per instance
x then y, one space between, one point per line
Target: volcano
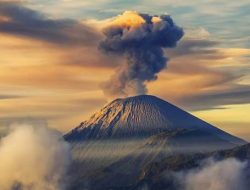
146 116
130 141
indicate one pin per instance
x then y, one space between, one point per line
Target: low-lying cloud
33 158
227 174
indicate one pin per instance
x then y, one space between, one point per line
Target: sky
51 68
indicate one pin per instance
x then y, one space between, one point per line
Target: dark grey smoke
24 21
141 43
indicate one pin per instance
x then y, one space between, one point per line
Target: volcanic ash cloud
33 158
140 39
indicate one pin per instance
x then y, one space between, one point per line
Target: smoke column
33 158
140 38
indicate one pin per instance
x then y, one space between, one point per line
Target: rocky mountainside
135 141
153 172
140 117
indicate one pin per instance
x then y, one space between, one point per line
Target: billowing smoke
228 174
33 158
140 38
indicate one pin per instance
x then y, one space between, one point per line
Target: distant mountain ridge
140 117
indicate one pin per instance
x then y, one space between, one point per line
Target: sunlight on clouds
57 77
61 108
60 82
234 119
62 92
237 51
233 113
128 19
17 51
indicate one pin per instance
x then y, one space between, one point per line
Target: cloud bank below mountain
33 158
229 174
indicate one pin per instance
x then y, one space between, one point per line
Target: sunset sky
51 68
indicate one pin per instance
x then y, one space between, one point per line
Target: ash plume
140 38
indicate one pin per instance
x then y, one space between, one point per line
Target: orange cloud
128 19
60 82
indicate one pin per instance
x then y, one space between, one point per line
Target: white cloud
33 158
223 175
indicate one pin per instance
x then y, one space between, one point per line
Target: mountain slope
130 141
141 117
157 174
